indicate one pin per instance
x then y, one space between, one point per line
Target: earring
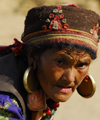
36 96
30 80
87 88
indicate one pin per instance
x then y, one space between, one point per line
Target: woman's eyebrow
85 61
71 59
66 57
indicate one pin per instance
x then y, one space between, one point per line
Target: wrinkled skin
60 72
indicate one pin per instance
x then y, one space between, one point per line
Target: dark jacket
12 69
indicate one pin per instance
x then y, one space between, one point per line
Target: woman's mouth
64 89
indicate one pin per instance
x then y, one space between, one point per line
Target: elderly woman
59 43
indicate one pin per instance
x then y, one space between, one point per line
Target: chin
61 98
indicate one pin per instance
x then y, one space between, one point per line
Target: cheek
45 76
46 82
48 76
49 72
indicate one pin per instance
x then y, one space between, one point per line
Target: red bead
55 109
99 21
44 27
86 78
61 16
49 111
66 26
56 104
46 109
59 7
51 16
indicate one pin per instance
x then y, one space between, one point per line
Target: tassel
14 48
17 47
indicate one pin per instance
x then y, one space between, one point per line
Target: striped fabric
69 36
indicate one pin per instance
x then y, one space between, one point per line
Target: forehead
72 54
67 51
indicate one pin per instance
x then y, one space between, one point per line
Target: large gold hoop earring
30 80
87 88
36 96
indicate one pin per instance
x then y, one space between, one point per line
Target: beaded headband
68 24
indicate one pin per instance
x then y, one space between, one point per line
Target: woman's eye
82 65
60 62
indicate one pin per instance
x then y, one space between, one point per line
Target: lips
64 89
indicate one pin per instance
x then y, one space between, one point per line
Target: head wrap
66 24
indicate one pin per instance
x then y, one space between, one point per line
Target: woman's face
60 72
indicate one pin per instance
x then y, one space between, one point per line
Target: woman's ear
32 59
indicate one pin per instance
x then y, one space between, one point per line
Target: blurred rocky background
13 12
23 5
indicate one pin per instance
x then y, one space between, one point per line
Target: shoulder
10 80
9 107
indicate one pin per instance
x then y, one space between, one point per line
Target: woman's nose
69 74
